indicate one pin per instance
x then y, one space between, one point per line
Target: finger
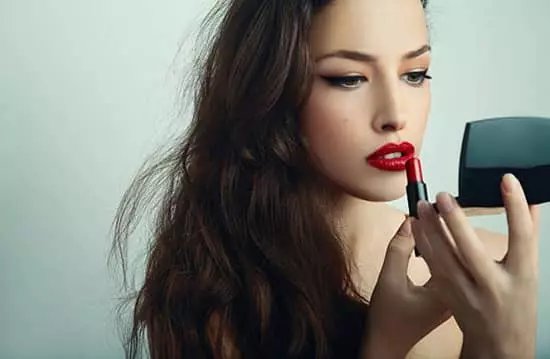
433 302
451 302
470 249
396 261
437 290
522 236
535 217
425 247
443 254
423 244
433 290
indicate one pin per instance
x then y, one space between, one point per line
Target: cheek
334 123
420 111
337 125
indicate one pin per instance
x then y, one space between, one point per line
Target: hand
400 313
494 303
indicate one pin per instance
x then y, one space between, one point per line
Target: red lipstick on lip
416 188
379 161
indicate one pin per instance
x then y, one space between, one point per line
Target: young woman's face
370 88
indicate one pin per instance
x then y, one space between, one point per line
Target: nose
388 117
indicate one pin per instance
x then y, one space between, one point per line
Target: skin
345 123
385 100
494 302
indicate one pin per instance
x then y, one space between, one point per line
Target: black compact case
496 146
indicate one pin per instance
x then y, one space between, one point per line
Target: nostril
388 128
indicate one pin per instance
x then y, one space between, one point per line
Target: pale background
89 88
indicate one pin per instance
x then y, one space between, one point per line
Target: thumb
396 261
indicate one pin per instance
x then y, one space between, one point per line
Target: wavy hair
245 260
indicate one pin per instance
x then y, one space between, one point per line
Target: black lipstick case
493 147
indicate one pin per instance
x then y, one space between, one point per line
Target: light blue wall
87 89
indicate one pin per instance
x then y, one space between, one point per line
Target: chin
380 196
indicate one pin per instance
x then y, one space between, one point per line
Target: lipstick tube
416 189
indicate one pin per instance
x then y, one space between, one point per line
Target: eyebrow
363 57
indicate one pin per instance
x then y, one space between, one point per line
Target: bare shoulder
495 243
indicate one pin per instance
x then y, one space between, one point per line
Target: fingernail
445 203
405 229
424 209
509 183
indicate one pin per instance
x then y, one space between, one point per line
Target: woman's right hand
400 312
494 303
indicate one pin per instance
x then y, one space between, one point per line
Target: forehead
380 27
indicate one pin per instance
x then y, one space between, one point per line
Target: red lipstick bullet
416 188
414 170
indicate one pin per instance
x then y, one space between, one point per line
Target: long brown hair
244 260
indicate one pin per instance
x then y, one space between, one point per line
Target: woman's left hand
494 303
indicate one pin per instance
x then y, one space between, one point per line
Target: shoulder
495 243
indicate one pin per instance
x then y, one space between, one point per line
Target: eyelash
340 81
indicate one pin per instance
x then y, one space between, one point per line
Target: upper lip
406 148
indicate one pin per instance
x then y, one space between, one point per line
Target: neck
366 228
365 224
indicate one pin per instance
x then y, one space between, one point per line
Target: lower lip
390 164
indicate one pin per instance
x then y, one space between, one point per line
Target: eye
416 78
347 82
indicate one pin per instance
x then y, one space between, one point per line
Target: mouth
392 156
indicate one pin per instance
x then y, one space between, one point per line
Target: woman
273 233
